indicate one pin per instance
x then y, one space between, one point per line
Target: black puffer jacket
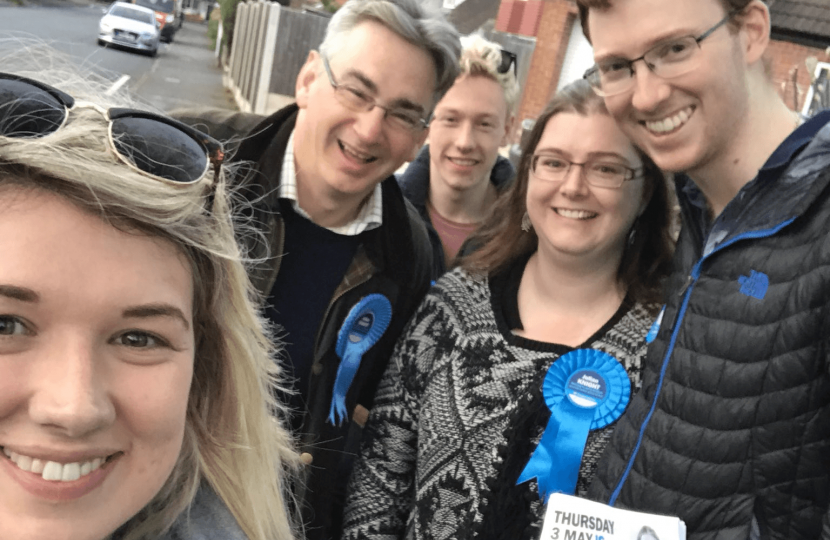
733 421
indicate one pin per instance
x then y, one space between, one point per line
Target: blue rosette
585 389
363 327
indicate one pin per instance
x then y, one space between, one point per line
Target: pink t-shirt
452 234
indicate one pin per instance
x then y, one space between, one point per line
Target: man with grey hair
455 180
346 260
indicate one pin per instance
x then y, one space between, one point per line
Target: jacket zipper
686 292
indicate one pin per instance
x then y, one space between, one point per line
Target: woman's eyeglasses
601 174
152 144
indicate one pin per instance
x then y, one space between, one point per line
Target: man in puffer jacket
731 430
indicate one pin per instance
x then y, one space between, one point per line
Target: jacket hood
207 518
787 184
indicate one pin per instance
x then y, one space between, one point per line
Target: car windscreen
167 6
134 14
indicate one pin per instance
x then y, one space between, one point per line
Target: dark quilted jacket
733 421
393 260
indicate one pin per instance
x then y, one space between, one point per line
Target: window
818 95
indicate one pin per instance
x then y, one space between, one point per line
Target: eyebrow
475 115
591 155
370 85
149 311
669 35
19 293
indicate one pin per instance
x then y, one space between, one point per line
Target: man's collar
780 158
796 141
369 217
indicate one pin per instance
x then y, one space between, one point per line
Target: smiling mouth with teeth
354 154
575 214
670 124
464 162
54 471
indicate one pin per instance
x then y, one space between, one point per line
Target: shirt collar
371 210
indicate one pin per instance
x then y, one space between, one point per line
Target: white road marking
117 85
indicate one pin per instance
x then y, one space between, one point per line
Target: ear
418 144
755 30
308 74
508 129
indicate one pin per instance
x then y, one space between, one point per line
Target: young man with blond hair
455 180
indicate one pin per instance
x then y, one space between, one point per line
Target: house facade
800 49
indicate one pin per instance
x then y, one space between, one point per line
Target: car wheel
153 53
101 43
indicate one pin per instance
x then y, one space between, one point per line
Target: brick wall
531 17
786 59
555 24
509 18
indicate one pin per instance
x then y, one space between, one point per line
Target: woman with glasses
505 385
134 369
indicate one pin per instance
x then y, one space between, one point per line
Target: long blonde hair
234 436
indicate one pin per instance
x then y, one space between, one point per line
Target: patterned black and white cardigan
457 415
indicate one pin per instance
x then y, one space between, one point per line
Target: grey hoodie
207 519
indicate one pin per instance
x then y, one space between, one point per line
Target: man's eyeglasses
601 174
508 59
357 100
669 59
152 144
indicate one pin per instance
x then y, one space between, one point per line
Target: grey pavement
184 74
190 66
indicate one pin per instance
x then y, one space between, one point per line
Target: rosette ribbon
584 389
363 327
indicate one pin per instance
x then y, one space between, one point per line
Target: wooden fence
271 44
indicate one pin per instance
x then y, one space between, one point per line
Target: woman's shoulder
642 315
453 303
459 285
628 328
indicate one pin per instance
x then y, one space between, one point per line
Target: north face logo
755 285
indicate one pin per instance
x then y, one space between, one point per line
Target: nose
369 124
574 184
70 391
464 137
649 89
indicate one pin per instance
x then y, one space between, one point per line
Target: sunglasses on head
508 59
152 144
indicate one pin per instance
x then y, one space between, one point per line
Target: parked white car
130 26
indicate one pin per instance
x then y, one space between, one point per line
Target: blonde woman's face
96 361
